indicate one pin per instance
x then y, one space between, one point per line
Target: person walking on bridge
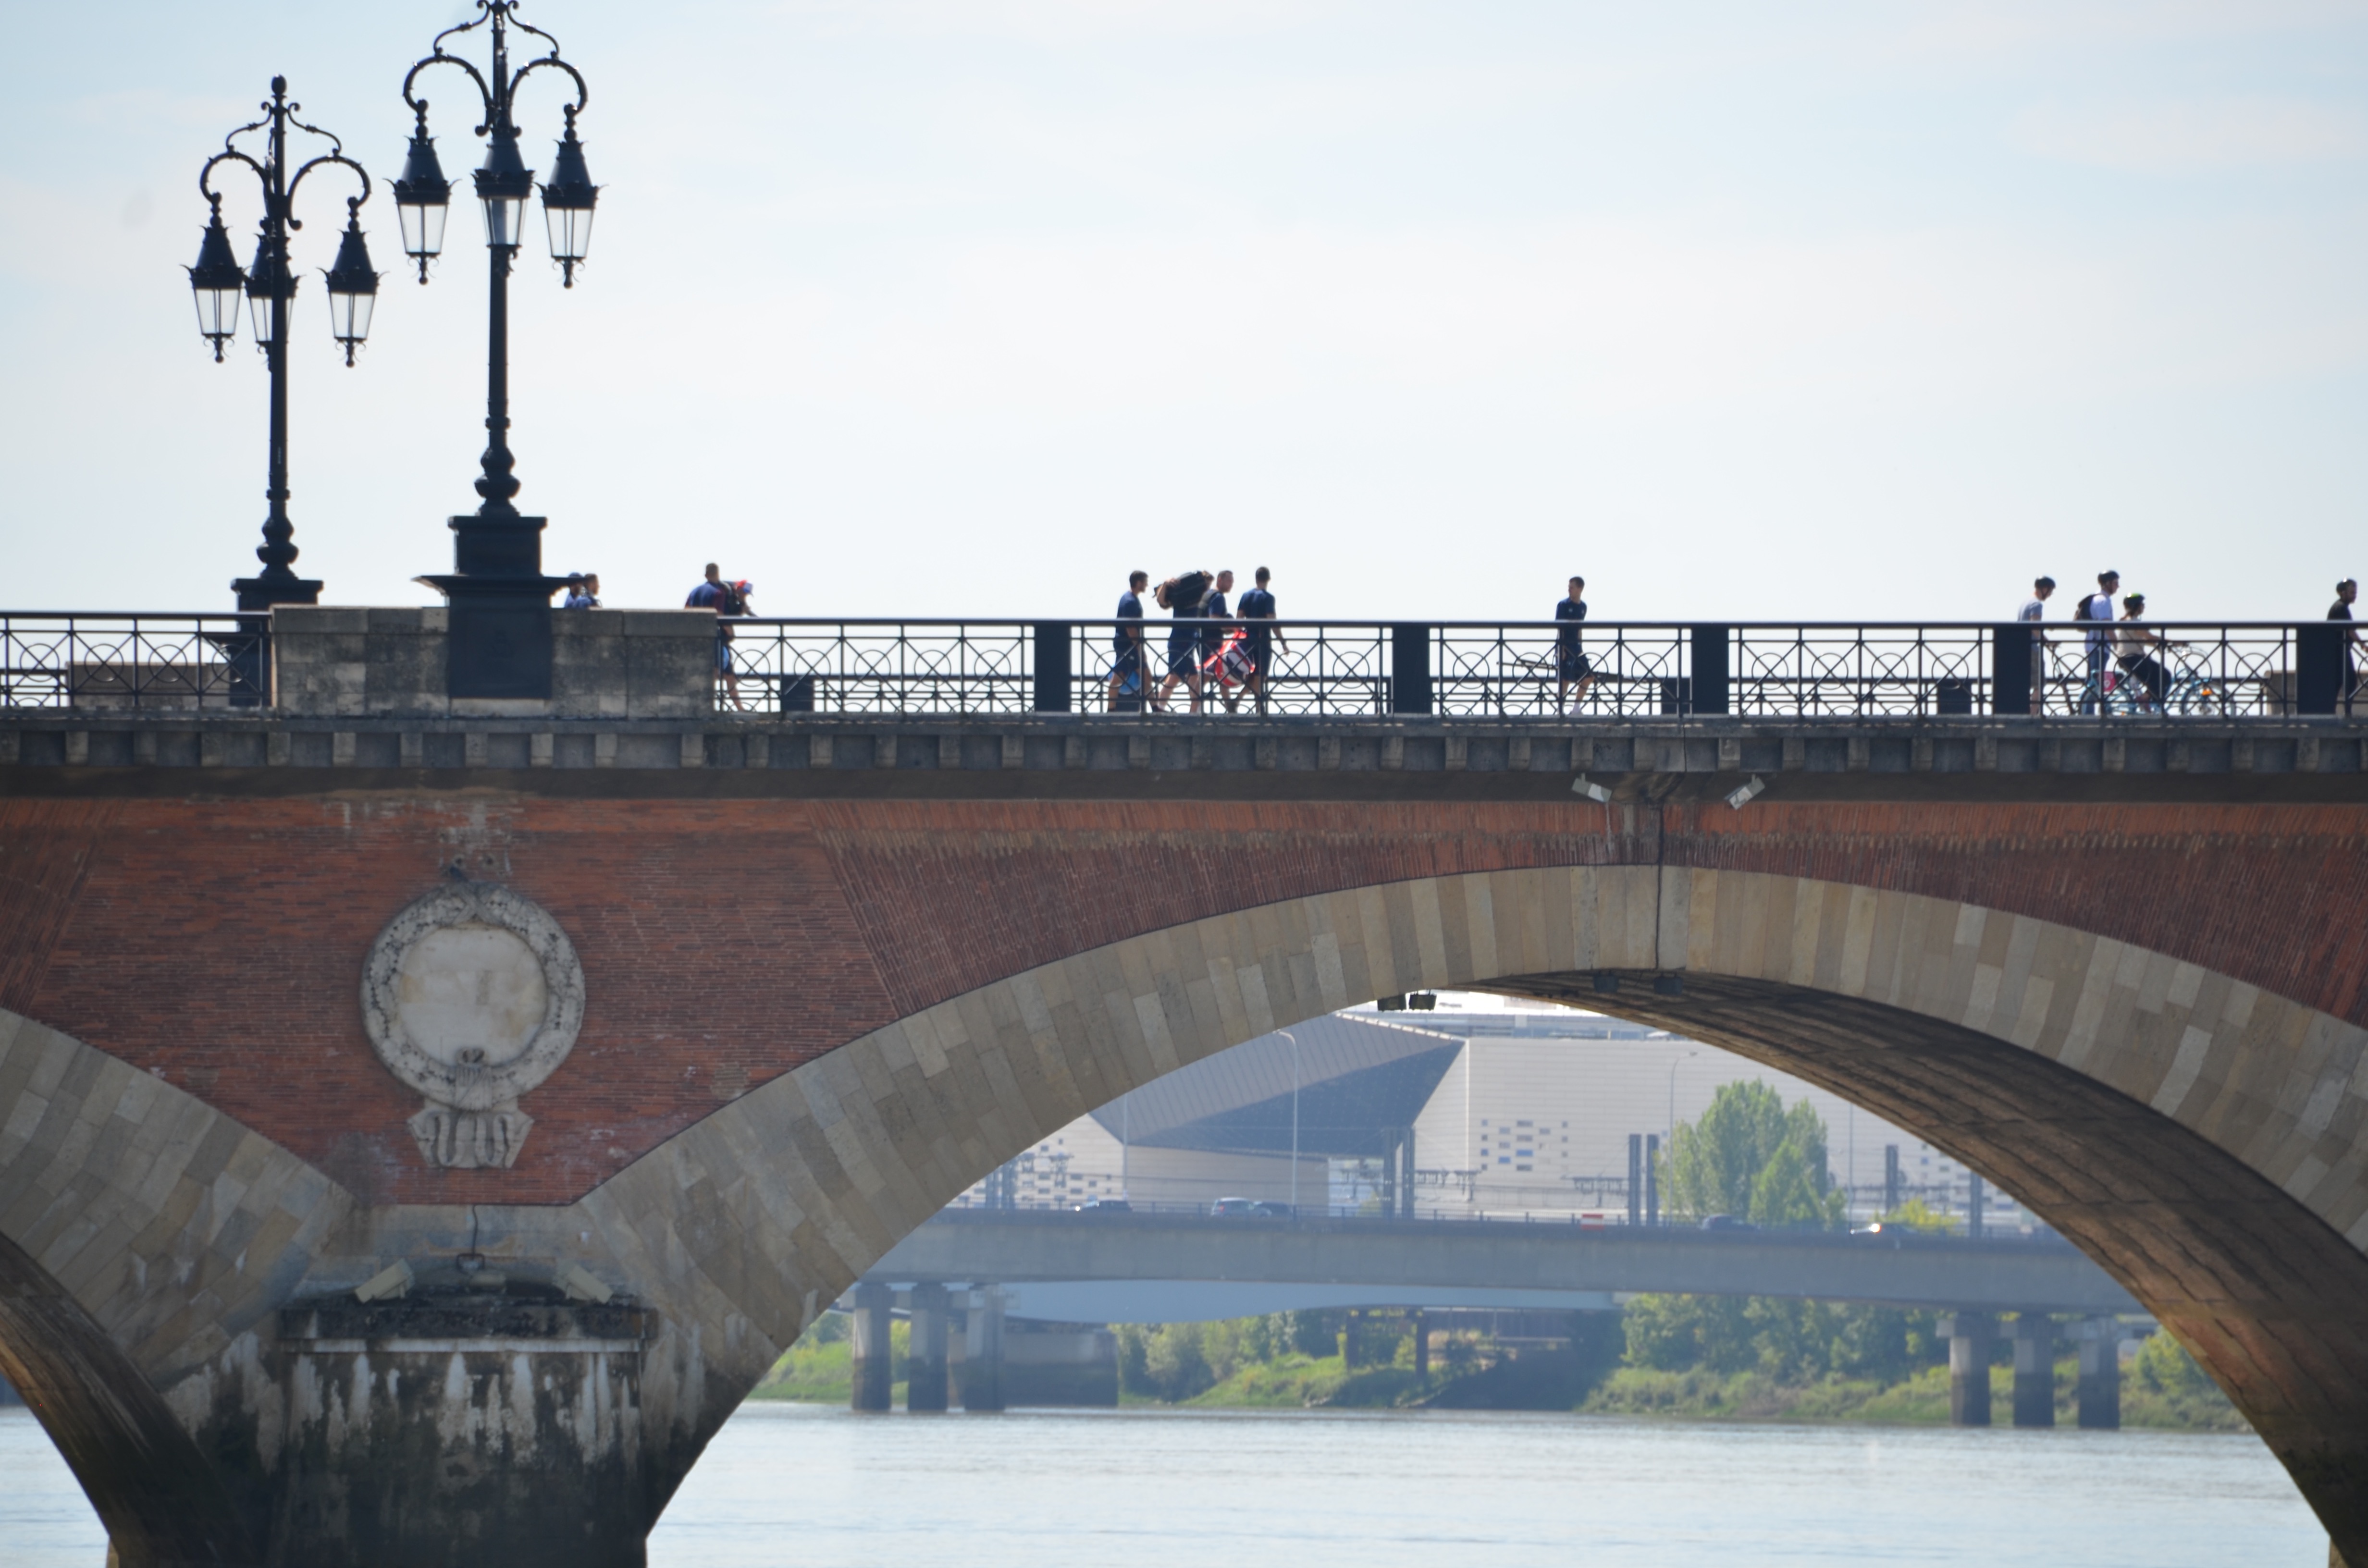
1187 598
1262 638
2346 592
726 599
2098 610
1571 667
2035 611
1128 682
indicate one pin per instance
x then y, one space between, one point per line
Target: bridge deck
1901 1270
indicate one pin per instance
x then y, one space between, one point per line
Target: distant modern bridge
973 1246
424 1117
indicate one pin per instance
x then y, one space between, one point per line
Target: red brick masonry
221 942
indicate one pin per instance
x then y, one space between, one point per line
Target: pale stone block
2194 1045
1381 957
1480 925
1857 977
1809 898
1430 935
1697 941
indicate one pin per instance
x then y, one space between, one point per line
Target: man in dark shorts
1257 610
2346 592
1128 680
1571 667
1190 598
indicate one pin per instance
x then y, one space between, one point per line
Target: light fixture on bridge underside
1583 785
568 196
1743 796
1607 986
1668 985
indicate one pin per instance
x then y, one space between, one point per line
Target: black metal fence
102 661
1535 670
1545 670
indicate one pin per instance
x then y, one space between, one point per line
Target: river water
810 1486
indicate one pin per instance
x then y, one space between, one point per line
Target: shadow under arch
2200 1137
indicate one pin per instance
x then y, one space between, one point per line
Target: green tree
2163 1366
1750 1157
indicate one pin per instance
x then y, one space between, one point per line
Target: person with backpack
2098 610
1183 596
727 600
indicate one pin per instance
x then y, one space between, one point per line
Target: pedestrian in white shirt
2036 610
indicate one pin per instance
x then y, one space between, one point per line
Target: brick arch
2198 1135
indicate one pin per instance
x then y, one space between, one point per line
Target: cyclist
2131 638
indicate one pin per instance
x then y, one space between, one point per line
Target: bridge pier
1969 1336
982 1383
874 1372
2034 1370
2099 1340
924 1362
477 1423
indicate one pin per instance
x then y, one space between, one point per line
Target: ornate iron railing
1504 671
1547 670
109 660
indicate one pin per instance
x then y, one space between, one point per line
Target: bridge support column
982 1387
875 1377
2034 1370
2100 1373
1969 1336
925 1363
413 1420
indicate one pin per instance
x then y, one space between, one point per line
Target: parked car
1105 1206
1726 1222
1233 1207
1273 1209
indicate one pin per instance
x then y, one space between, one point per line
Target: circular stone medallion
472 995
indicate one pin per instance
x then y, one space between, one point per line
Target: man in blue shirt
1571 667
1126 682
725 599
1257 611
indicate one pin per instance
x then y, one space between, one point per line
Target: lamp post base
501 609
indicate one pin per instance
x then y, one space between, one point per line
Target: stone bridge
418 1129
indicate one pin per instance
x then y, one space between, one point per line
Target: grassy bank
1919 1401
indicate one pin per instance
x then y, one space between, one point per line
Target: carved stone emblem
472 995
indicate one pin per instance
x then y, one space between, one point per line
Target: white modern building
1512 1108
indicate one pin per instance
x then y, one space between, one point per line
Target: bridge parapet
271 751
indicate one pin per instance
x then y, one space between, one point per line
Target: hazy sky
965 307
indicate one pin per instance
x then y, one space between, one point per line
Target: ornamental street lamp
270 287
501 626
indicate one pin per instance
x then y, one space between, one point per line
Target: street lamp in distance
269 286
500 635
